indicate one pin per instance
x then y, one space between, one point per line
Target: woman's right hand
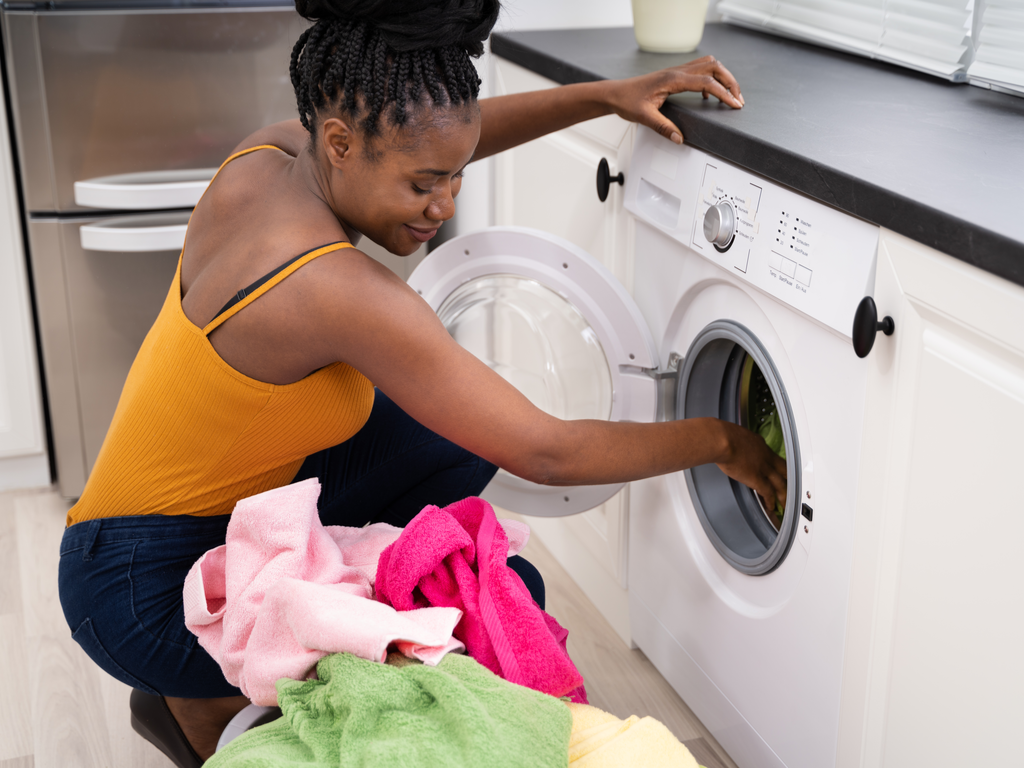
750 461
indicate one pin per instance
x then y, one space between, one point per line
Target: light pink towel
284 591
456 557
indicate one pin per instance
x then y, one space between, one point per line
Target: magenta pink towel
456 557
284 591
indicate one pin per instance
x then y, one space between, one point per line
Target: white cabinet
934 666
550 184
23 460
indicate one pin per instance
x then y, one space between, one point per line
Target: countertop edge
990 251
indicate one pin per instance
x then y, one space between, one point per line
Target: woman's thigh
120 583
391 469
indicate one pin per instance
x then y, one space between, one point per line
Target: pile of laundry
304 616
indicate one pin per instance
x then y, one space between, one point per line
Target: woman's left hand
639 99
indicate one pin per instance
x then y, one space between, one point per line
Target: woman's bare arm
378 324
507 121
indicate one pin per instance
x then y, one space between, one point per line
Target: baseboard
23 472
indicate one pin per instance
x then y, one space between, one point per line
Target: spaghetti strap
249 294
244 152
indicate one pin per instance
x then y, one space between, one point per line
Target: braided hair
379 58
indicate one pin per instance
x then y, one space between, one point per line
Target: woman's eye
420 191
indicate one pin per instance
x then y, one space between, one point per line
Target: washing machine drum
728 375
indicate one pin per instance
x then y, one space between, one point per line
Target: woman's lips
421 234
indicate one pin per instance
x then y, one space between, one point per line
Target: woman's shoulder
288 136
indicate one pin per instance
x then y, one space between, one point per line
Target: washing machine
751 290
744 300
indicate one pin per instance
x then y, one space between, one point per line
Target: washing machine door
554 323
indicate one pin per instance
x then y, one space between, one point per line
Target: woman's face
399 187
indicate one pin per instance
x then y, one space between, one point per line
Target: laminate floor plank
703 753
39 519
68 721
10 575
16 696
127 748
19 762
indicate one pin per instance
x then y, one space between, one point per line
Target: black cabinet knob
605 179
866 324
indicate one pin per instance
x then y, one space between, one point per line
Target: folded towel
283 591
456 557
601 740
360 713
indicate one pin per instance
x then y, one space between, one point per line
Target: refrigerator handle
144 191
124 235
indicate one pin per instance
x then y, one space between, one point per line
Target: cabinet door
935 626
23 460
550 184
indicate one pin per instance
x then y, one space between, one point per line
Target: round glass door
535 340
554 323
728 375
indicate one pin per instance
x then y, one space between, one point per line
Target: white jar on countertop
669 26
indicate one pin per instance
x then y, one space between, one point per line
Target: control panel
814 258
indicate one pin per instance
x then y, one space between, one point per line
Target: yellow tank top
192 436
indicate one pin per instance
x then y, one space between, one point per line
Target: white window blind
999 47
928 35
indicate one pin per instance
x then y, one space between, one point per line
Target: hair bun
409 25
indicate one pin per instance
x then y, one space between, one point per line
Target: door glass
536 340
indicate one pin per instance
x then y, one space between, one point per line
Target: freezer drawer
95 308
108 93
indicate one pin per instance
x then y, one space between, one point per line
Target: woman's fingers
709 84
640 99
778 480
755 465
725 77
711 67
654 120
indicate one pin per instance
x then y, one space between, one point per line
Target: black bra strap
269 276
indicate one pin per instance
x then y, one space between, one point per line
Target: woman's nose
442 207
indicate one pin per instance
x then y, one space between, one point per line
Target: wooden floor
58 710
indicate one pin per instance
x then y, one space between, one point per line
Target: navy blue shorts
121 578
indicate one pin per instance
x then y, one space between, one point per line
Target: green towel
362 713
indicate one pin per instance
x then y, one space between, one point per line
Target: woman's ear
339 141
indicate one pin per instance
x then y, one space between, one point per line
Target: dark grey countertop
940 163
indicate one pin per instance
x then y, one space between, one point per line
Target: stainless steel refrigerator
121 115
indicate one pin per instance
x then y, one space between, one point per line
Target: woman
258 370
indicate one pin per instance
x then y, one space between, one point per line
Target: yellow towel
599 739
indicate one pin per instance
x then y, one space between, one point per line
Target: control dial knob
720 224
